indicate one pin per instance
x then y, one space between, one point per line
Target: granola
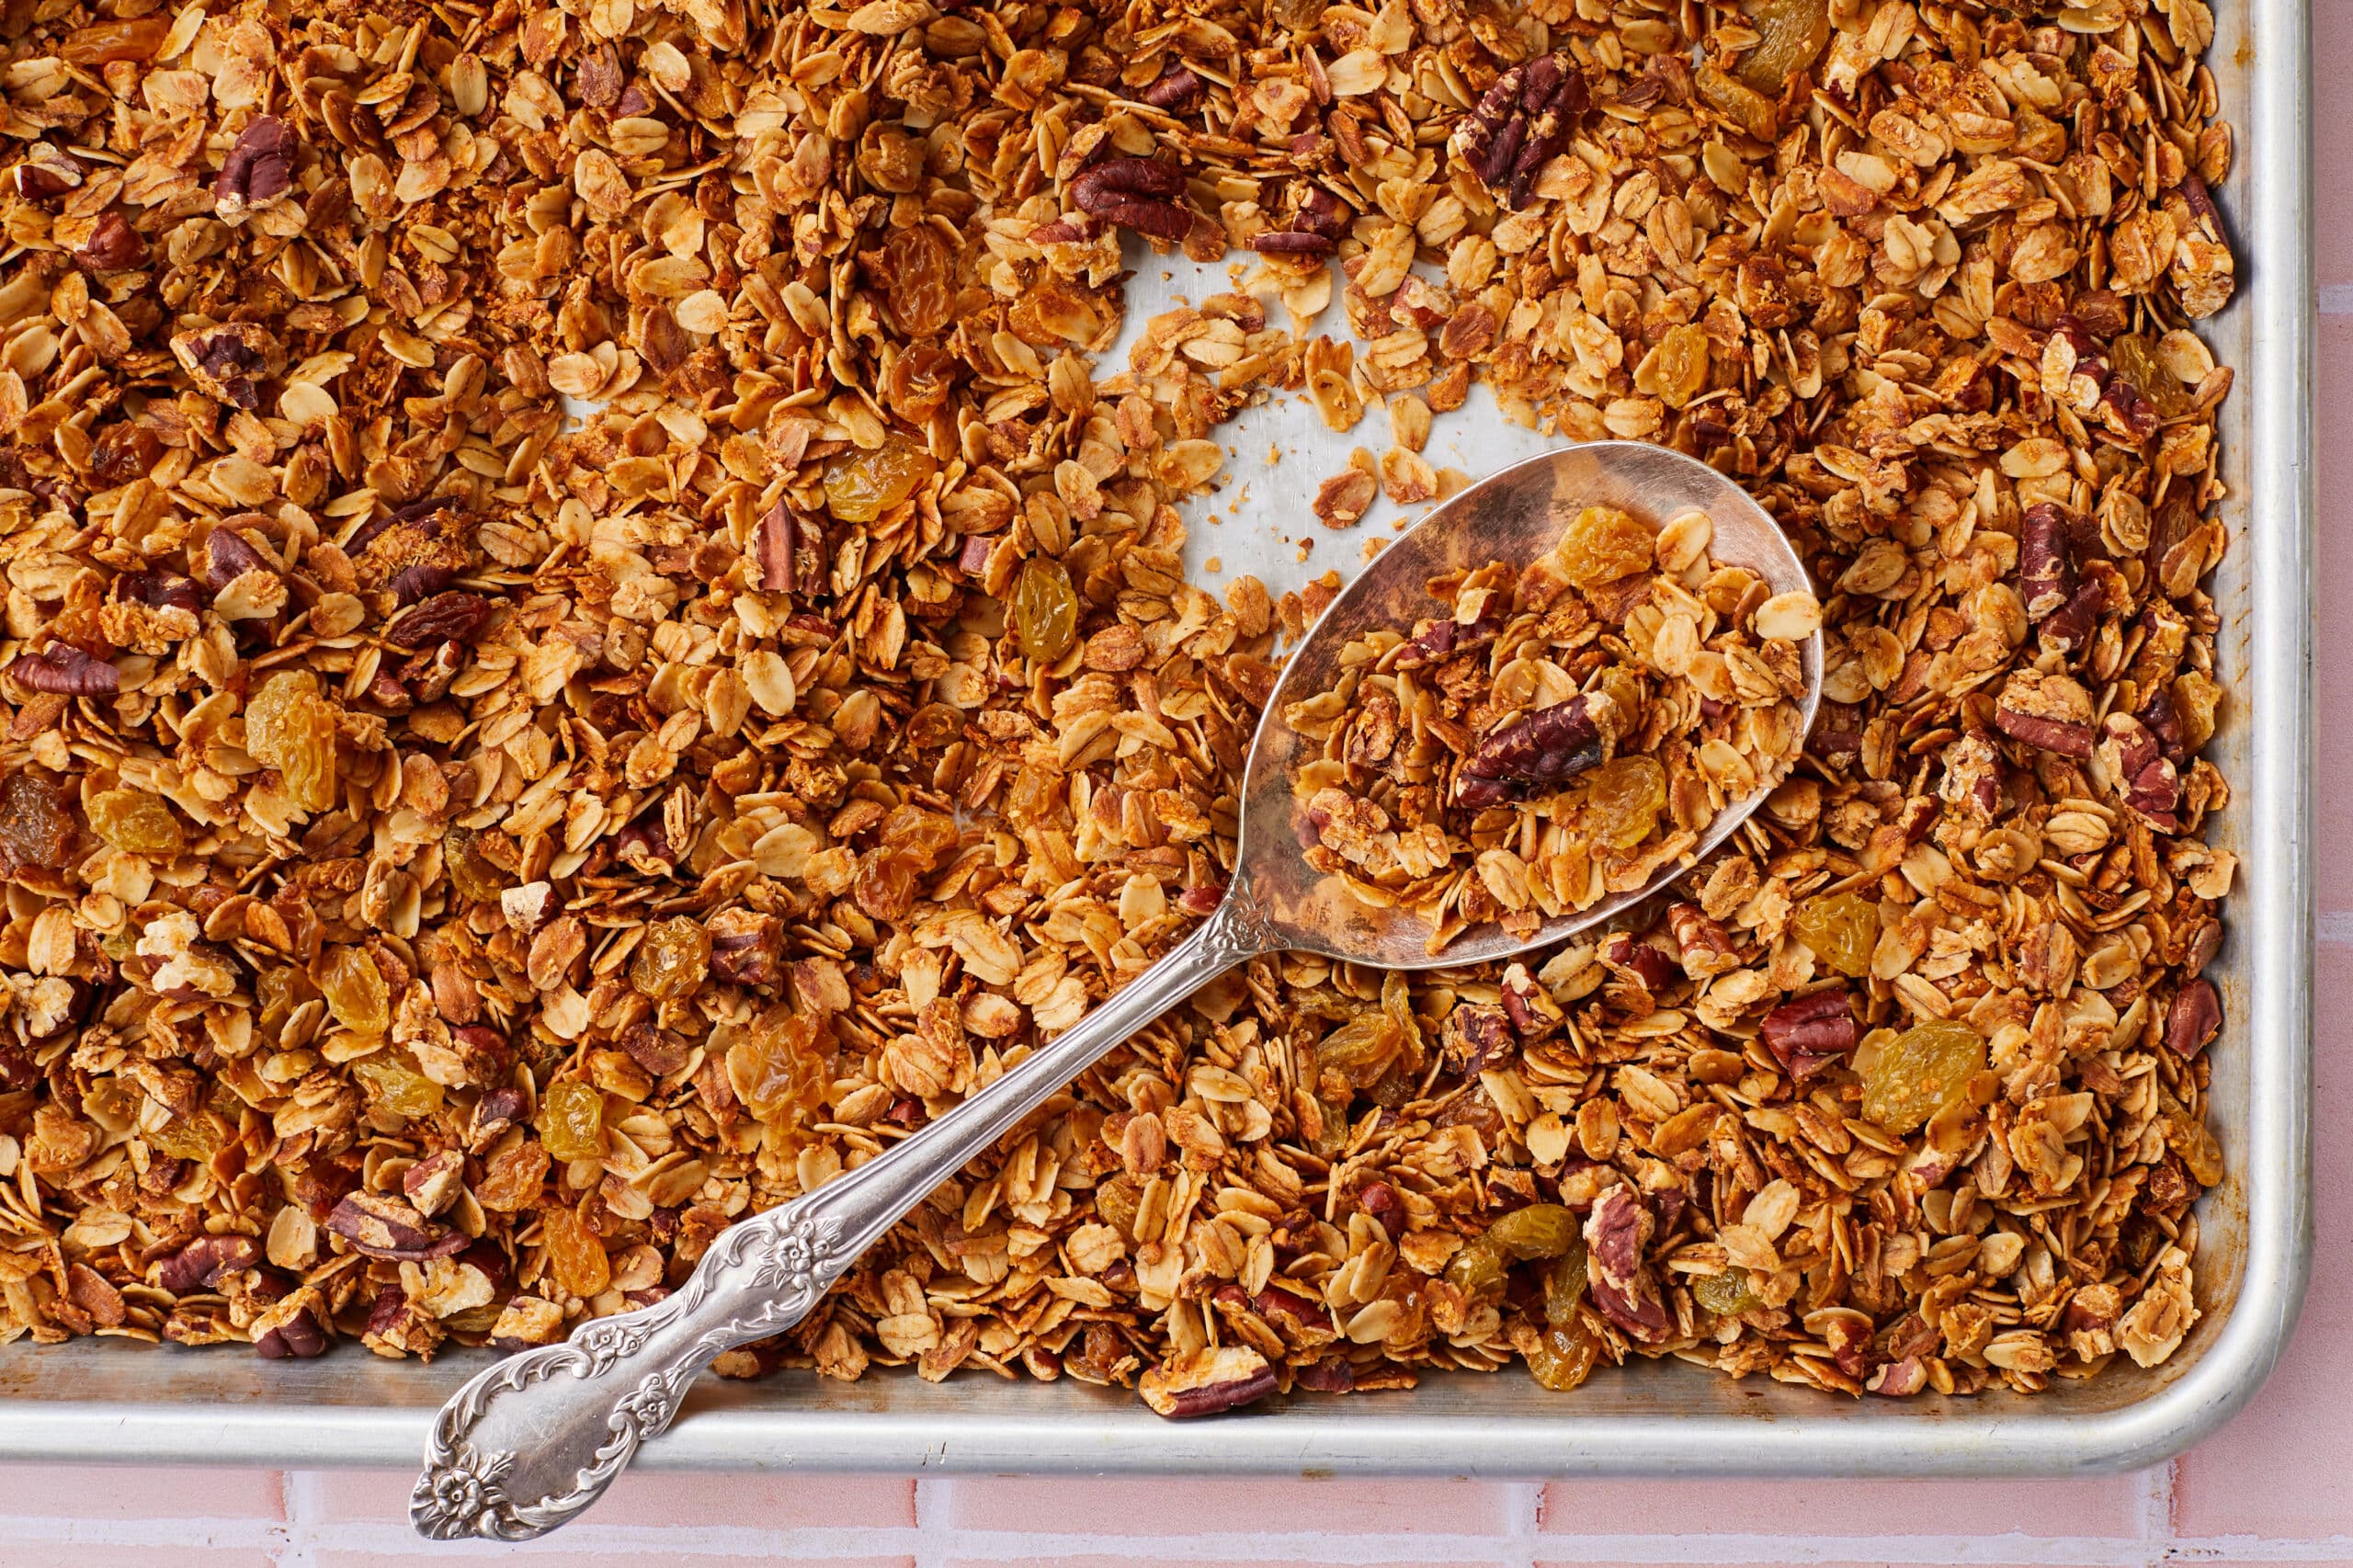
1562 731
463 851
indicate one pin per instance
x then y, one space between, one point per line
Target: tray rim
2269 203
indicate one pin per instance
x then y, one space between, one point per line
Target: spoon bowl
1515 514
532 1441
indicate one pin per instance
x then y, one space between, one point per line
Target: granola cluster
460 856
1564 732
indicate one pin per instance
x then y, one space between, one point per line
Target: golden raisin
1564 1283
861 485
923 292
779 1068
1564 1356
672 959
138 821
2131 357
356 992
396 1086
1789 35
575 1257
474 876
290 727
1677 371
1540 1229
572 1120
1626 795
36 823
1727 1294
1602 545
1361 1048
1842 931
1478 1270
1911 1078
1045 609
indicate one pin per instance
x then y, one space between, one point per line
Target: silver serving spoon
534 1440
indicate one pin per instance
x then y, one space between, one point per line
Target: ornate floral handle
528 1444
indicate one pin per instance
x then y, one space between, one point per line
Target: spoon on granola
1537 706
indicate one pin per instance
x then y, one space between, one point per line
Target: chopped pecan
388 1227
1520 123
2193 1019
746 947
231 361
1708 950
1811 1032
2139 771
2047 711
229 555
1206 1381
432 1184
775 549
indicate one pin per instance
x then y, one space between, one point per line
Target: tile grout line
934 1505
1523 1513
299 1489
2152 1510
933 1539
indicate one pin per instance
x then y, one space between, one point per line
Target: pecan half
1136 193
1810 1033
444 617
294 1328
390 1229
2046 562
1520 123
258 170
1206 1381
1708 951
2194 1017
158 590
229 555
65 671
775 545
113 246
1178 91
1624 1288
1533 754
203 1261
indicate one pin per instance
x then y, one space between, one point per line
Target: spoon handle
531 1442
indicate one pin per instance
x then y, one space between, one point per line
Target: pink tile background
2274 1487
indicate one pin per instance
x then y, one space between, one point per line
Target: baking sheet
98 1401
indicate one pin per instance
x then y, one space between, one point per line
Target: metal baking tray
96 1401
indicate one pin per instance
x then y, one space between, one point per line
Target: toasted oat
459 860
